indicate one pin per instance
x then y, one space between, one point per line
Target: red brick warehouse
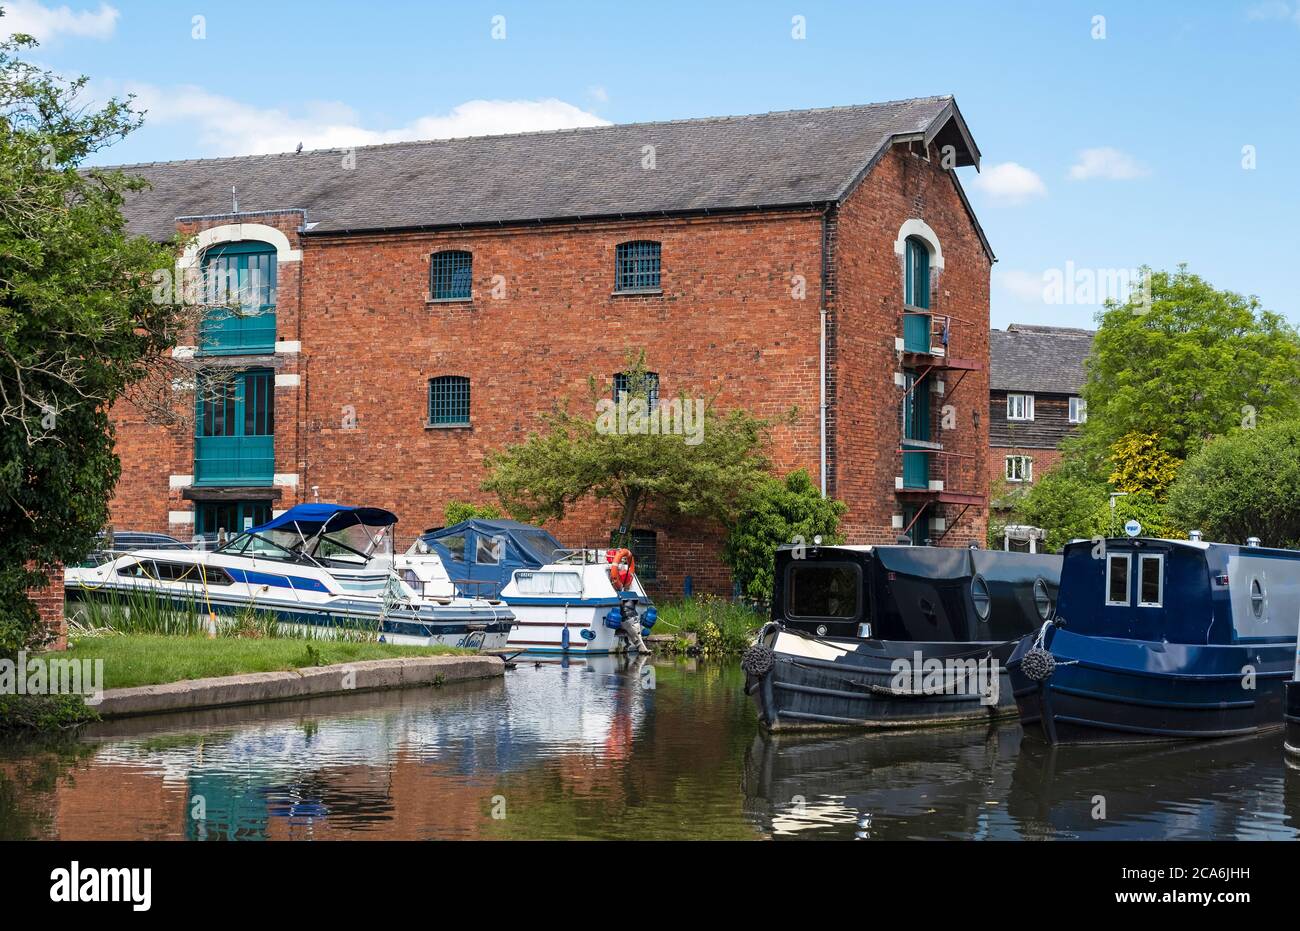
431 299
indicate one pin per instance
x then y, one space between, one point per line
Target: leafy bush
1244 484
43 713
457 511
775 513
719 626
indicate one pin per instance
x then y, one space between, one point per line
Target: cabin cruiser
894 636
1161 639
316 567
564 601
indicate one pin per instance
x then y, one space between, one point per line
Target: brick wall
869 303
49 602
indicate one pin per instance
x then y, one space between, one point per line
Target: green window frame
449 401
637 266
451 275
211 517
917 286
239 283
234 430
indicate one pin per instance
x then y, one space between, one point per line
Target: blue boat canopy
312 518
480 555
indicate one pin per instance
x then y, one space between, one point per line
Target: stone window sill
447 426
449 300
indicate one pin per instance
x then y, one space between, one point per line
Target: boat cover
310 518
480 554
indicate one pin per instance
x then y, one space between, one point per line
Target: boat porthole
979 593
1042 600
1256 598
821 630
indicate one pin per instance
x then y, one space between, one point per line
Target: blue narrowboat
1160 640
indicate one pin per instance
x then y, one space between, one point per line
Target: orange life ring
622 581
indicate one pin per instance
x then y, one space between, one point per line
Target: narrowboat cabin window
979 593
1151 581
823 590
1256 598
1020 407
1117 566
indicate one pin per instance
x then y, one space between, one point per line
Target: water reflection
612 748
963 783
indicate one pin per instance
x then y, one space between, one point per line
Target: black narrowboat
894 636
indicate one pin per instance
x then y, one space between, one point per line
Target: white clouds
223 126
46 23
1009 184
598 93
1110 164
1272 10
1023 285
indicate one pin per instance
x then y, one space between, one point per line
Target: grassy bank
720 627
152 659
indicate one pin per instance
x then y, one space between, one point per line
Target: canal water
608 748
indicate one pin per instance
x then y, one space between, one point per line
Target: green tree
776 512
1191 363
1242 485
457 511
77 324
1064 503
611 452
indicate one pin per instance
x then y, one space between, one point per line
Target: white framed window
1020 469
1117 566
1020 407
1078 410
1151 580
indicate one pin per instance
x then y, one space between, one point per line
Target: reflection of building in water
403 765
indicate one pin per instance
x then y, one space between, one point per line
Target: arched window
451 275
637 266
239 281
916 288
449 401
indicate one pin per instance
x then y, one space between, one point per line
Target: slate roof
1038 359
795 157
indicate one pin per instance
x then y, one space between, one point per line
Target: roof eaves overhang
694 213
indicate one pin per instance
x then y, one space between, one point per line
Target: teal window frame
210 517
234 431
451 275
637 266
449 397
916 295
232 268
916 426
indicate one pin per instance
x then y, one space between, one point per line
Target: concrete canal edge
312 681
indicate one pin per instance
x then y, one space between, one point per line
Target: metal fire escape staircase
928 469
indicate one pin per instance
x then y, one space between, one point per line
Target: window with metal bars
644 547
448 401
648 390
637 266
451 275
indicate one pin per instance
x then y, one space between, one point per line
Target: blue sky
1099 153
